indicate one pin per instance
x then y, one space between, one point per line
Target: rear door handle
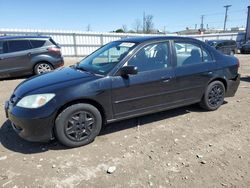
1 58
29 54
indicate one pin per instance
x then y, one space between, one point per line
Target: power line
223 13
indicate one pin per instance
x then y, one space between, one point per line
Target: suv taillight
55 50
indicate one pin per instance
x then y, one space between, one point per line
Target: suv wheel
43 67
78 125
214 96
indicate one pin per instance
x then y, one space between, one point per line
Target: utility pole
202 22
225 21
248 25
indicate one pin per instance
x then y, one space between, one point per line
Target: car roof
153 38
23 37
221 40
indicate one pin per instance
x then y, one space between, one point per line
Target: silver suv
27 55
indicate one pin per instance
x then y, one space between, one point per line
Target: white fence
77 43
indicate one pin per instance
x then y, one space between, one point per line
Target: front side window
190 54
152 57
18 45
106 58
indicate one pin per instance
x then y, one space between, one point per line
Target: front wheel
214 96
78 125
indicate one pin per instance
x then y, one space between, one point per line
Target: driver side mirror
128 70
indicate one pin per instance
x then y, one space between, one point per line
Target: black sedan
123 79
245 48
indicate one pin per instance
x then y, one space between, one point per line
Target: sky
109 15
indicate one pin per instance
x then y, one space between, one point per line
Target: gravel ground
185 147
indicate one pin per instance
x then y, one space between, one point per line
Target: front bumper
38 129
232 86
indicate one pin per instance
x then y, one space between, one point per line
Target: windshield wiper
77 66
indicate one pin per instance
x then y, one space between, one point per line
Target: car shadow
10 140
245 79
15 78
147 119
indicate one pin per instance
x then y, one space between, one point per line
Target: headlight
35 101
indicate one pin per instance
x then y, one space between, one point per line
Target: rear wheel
78 125
43 67
214 96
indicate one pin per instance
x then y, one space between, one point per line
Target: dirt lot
185 147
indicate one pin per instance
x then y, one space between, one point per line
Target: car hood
59 76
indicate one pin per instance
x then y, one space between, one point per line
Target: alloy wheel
43 68
80 126
216 96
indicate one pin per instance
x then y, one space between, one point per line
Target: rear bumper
232 86
58 63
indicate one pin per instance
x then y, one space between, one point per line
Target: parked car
26 55
245 48
123 79
228 47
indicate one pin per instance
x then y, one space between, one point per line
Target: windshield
106 58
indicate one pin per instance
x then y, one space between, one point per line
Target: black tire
78 125
214 96
42 67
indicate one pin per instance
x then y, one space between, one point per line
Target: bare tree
88 28
137 26
124 28
149 24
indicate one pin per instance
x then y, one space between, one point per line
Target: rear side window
233 43
190 54
3 47
220 44
37 43
18 45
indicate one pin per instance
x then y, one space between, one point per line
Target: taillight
238 62
55 50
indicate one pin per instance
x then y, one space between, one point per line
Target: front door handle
29 54
208 73
166 79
